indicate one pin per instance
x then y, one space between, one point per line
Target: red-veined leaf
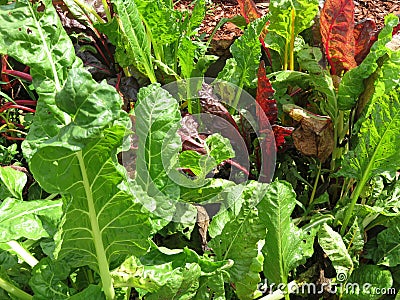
265 94
267 104
249 10
364 36
280 133
337 26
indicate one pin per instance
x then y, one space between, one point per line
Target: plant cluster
98 202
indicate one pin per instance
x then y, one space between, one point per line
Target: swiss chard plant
108 204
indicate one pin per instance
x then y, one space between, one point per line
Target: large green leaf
352 84
12 183
102 223
286 246
31 32
127 32
239 241
336 250
157 118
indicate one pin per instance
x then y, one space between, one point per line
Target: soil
218 9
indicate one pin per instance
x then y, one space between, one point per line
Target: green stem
354 198
23 253
51 197
107 10
315 184
13 290
96 232
237 96
88 9
292 37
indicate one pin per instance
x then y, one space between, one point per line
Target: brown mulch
218 9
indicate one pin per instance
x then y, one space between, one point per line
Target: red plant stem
11 138
7 86
5 107
119 75
25 102
236 165
19 74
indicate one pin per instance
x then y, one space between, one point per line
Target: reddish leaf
336 26
280 133
396 29
267 104
249 10
265 94
365 36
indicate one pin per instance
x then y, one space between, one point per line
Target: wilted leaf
336 26
314 136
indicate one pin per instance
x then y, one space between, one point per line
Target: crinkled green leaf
246 52
389 246
210 190
218 149
92 292
286 246
239 241
49 280
32 34
352 85
231 200
12 183
354 240
103 223
378 141
334 247
157 118
186 56
25 218
370 281
167 274
161 20
321 82
280 19
127 32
